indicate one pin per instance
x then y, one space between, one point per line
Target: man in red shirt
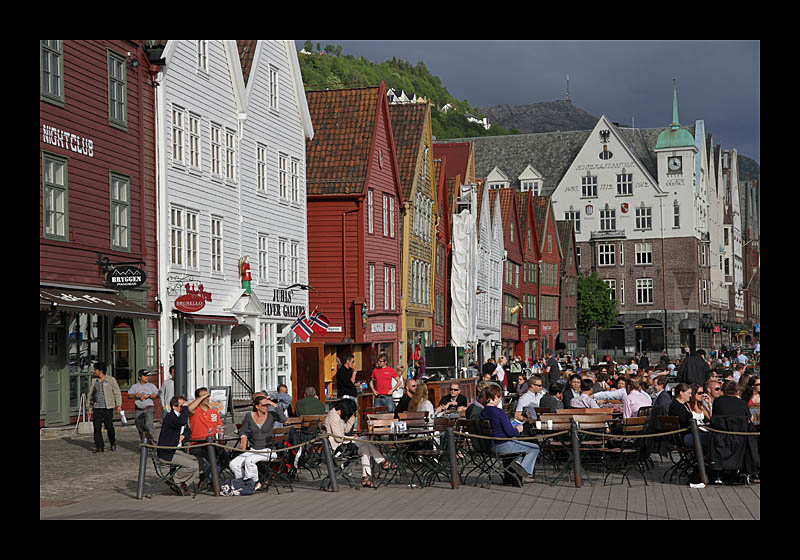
204 422
381 383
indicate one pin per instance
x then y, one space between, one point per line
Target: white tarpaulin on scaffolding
462 280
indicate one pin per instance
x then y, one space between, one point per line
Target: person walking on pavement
168 391
104 399
143 394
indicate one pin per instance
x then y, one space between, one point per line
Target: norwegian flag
302 328
319 322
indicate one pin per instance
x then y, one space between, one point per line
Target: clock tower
676 151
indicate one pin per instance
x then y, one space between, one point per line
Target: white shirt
500 373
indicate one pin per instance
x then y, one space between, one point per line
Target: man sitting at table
402 406
474 410
530 400
310 404
553 398
204 421
174 429
661 398
453 401
585 399
631 396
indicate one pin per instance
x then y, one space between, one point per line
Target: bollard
451 450
212 462
576 452
698 451
142 470
326 447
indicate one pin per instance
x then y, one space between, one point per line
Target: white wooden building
231 180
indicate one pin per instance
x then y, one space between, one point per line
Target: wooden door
308 370
55 376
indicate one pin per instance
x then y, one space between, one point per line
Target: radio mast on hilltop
568 99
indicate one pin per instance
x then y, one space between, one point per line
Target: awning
209 319
87 301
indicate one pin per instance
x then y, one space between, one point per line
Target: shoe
97 451
149 437
528 479
183 488
367 482
113 447
718 482
519 470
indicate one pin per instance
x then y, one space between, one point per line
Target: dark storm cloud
629 81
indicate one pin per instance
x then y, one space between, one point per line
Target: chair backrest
413 415
644 411
279 435
375 409
613 401
592 421
381 426
294 421
560 421
581 411
311 422
381 416
442 423
669 423
543 410
634 425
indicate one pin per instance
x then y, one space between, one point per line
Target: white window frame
371 286
294 179
217 247
176 237
283 261
230 155
608 219
386 287
644 291
283 172
385 212
611 284
574 216
195 161
55 197
644 218
274 89
676 215
178 135
261 167
370 209
391 216
589 186
294 261
202 55
644 253
393 299
622 291
624 184
263 258
606 252
192 239
215 144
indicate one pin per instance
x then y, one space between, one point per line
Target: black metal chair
165 473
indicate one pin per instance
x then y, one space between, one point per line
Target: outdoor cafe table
397 452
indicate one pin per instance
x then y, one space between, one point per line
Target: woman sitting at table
699 412
752 393
501 428
257 430
681 408
420 403
338 422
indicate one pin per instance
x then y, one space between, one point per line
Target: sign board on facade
193 300
282 307
67 140
123 277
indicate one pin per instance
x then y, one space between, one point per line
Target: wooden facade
441 274
529 292
549 277
512 270
97 207
355 264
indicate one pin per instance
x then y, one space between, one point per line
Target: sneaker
113 447
700 485
519 470
97 451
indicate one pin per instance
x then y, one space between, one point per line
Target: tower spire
675 123
568 99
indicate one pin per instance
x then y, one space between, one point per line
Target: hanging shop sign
193 300
124 277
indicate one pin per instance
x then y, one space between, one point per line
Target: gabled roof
522 209
247 50
564 233
338 156
408 129
457 157
509 213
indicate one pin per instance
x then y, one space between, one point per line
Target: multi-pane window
263 257
644 290
202 55
216 150
120 212
371 286
216 244
283 175
273 88
391 216
608 220
392 299
606 253
51 80
283 261
676 215
192 235
294 257
704 291
644 253
574 217
176 236
611 284
578 257
589 186
215 344
622 291
385 208
644 218
54 197
117 96
295 180
261 167
624 183
194 141
230 155
370 209
178 116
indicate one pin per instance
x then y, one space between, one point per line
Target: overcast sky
718 81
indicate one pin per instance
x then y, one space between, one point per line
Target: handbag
82 427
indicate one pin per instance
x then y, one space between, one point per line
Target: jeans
385 400
144 420
531 451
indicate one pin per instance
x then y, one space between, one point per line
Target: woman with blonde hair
420 403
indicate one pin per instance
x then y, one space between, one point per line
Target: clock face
674 163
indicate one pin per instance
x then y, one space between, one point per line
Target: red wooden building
549 277
97 219
441 276
512 271
354 204
568 337
529 291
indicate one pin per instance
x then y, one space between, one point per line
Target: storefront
80 326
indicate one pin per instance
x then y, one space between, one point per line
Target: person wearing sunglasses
530 400
384 381
452 400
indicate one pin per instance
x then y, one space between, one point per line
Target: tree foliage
334 70
596 309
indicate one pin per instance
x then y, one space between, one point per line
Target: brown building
97 220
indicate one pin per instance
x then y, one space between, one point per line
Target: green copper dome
675 136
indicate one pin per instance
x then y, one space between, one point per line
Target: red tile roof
338 156
408 128
247 50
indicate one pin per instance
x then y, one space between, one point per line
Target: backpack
238 487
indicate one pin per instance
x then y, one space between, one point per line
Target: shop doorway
243 369
55 375
122 361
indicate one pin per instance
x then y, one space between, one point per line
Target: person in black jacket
729 404
694 368
174 430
